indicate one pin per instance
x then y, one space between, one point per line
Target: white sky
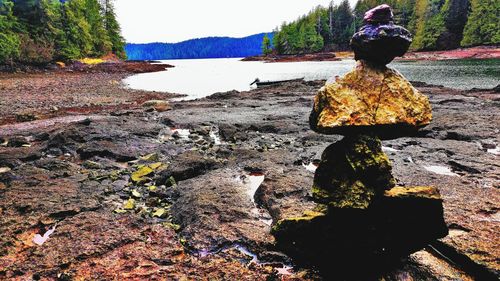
178 20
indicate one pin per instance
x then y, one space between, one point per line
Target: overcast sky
178 20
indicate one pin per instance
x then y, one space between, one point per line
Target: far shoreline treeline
199 48
435 24
41 31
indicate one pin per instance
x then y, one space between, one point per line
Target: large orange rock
370 99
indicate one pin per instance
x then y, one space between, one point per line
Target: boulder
370 99
340 241
380 43
352 172
380 14
380 40
158 105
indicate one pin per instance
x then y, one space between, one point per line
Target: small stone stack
363 220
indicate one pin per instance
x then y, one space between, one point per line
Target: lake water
199 78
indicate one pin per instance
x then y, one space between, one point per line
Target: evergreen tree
430 24
483 24
9 40
35 30
113 28
101 43
266 45
312 40
77 42
278 40
40 31
417 23
403 10
455 14
344 25
451 20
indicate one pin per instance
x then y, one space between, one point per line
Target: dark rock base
357 244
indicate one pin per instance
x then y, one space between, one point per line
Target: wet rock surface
195 212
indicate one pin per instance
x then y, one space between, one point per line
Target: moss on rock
352 172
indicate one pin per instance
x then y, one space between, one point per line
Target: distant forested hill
435 24
41 31
210 47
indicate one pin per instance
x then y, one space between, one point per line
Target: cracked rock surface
132 195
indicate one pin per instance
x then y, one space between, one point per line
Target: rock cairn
363 222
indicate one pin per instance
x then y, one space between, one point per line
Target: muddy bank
323 56
28 97
482 52
118 67
108 65
130 193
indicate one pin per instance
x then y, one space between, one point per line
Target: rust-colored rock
158 105
378 97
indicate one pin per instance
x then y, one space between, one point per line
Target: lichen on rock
352 172
370 98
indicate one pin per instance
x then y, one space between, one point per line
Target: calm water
199 78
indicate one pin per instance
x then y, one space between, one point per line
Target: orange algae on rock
369 96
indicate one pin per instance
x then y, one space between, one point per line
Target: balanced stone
380 14
340 241
370 98
380 40
352 173
361 219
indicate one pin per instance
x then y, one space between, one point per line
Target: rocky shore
53 94
101 187
481 52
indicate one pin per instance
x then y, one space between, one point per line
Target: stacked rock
363 220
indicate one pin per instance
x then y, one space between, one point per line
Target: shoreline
481 52
62 93
110 66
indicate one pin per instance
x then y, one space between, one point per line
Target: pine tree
77 42
431 27
451 20
40 31
343 26
483 24
417 23
101 43
113 29
278 40
9 40
266 45
403 10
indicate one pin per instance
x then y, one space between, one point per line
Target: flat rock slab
263 130
216 209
